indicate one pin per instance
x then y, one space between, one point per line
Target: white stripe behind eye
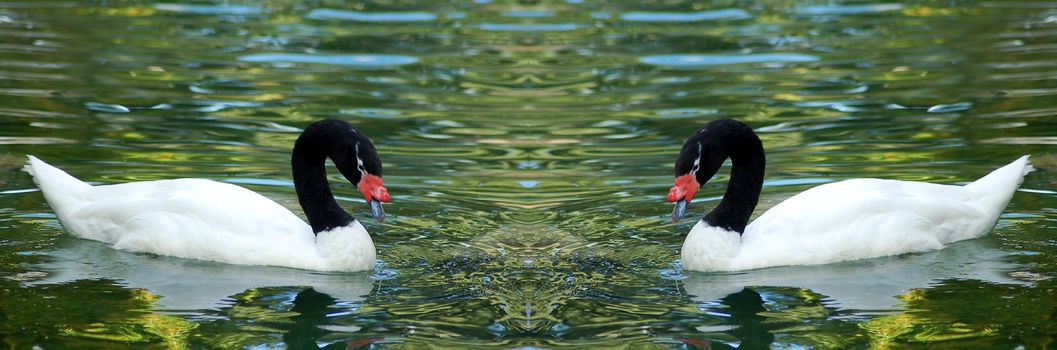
359 162
697 161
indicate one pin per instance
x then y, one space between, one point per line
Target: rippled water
528 147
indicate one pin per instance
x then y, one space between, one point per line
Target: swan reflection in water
870 284
188 284
185 285
863 287
202 289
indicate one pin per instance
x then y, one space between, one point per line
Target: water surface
528 147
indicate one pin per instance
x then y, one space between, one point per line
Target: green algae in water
528 148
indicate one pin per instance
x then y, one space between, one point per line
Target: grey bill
376 210
680 209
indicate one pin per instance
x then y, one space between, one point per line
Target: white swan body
857 219
199 219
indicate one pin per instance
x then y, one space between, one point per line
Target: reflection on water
184 284
528 148
869 285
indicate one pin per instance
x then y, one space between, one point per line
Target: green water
528 147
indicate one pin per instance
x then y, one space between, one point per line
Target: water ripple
693 61
529 27
358 16
711 15
847 9
366 61
210 10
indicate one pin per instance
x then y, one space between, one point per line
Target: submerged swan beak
376 210
683 191
680 210
373 191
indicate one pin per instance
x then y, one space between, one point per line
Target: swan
209 220
846 220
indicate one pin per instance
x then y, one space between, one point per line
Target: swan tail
1007 177
996 188
61 190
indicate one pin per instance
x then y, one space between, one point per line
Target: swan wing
190 218
864 218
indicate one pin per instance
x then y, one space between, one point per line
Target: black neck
746 182
310 178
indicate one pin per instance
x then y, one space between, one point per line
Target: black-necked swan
210 220
846 220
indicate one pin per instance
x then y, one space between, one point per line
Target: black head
703 154
353 154
351 151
